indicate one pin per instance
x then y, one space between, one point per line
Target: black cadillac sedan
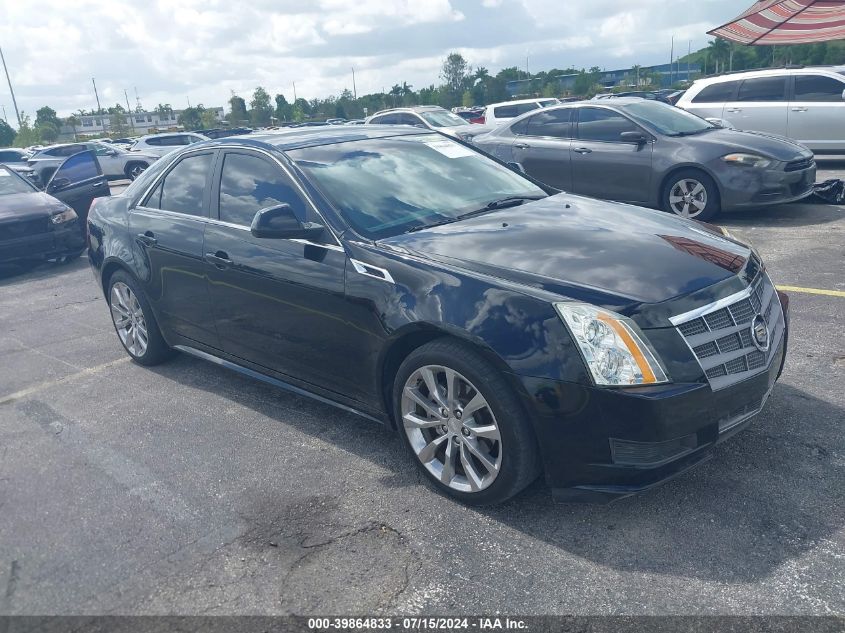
503 330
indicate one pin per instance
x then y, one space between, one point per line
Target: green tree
118 124
27 135
284 110
163 108
454 72
46 117
467 99
191 118
74 122
7 134
237 110
208 118
260 109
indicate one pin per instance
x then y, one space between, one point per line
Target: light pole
99 109
354 89
12 92
129 111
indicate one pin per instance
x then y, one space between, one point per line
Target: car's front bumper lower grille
722 338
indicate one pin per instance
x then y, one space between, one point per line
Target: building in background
142 122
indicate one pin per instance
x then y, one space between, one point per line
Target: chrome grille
720 334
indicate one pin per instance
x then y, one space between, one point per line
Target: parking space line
813 291
53 383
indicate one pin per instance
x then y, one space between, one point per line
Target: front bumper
601 444
65 239
746 187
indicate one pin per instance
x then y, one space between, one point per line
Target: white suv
498 113
804 104
161 144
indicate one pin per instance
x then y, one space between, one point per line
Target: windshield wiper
693 132
501 203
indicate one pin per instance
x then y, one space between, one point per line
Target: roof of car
766 72
296 138
424 108
160 134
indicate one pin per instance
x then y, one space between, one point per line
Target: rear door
761 105
168 227
816 115
542 146
76 182
604 166
710 101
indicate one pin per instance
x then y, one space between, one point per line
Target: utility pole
294 92
354 89
138 105
4 115
12 92
99 109
671 61
689 52
129 111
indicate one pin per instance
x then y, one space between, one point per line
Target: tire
133 170
129 305
504 438
70 258
703 202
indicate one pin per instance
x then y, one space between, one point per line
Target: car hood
18 206
602 252
770 145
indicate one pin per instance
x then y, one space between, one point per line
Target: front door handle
582 150
521 146
99 183
147 238
219 258
799 109
733 110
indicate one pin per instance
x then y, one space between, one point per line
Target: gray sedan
653 154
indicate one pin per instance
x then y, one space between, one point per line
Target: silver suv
431 117
804 104
115 162
161 144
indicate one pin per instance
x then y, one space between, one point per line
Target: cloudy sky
175 50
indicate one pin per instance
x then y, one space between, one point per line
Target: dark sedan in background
504 331
653 154
37 225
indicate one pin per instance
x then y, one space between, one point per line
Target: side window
717 93
155 142
763 89
409 119
8 157
598 124
184 186
387 119
504 112
79 167
555 123
100 149
818 88
522 108
249 184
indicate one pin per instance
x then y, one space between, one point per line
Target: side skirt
272 381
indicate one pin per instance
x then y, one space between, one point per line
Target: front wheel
134 321
463 424
691 194
134 170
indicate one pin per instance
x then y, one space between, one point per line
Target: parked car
37 225
642 94
471 115
504 331
804 104
115 162
653 154
16 160
161 144
497 113
430 117
222 132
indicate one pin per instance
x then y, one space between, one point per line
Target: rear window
763 89
717 93
818 88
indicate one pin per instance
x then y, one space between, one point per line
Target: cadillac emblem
760 333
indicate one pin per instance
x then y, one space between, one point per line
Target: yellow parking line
813 291
53 383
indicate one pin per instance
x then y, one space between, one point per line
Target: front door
604 166
77 182
542 147
278 302
760 106
167 228
816 115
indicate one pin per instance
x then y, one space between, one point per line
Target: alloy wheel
136 171
451 428
688 198
128 318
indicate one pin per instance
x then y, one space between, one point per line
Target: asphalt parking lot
189 489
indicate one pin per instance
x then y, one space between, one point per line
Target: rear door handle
219 258
147 238
733 110
521 146
799 109
582 150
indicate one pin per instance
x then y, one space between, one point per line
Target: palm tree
73 121
395 91
719 51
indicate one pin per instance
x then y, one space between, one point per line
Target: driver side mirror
843 95
280 222
633 137
56 184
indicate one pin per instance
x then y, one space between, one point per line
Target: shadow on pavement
23 272
770 495
797 214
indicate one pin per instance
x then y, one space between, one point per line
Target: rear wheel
133 170
691 194
134 321
463 424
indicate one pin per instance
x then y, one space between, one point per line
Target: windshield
388 186
10 183
441 118
667 119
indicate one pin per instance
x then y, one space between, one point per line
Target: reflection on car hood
603 252
771 145
28 205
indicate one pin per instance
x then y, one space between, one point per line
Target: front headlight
747 160
64 216
612 346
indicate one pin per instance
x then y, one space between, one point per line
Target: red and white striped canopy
787 22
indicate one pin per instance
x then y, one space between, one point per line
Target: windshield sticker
4 173
450 149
